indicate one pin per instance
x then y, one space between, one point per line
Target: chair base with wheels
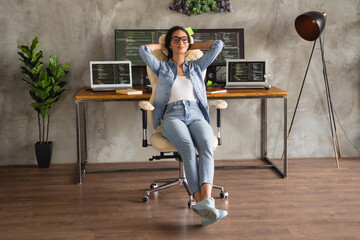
181 180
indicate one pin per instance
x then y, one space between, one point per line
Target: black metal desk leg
85 132
264 157
285 138
81 145
78 139
263 128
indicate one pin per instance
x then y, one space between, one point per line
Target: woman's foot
206 209
206 221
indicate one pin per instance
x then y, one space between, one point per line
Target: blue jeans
186 128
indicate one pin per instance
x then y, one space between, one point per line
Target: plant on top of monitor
189 7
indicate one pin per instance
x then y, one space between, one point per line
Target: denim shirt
166 73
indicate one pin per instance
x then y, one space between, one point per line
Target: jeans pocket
169 109
195 108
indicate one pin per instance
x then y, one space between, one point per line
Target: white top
182 89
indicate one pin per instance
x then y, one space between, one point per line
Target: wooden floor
316 201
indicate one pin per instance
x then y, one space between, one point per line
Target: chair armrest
146 105
219 104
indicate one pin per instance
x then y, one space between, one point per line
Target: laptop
245 74
110 75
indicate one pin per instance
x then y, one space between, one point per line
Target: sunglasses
177 39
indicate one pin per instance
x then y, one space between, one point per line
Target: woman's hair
168 38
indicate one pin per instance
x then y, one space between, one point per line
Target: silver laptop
245 74
110 75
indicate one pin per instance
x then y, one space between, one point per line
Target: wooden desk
85 95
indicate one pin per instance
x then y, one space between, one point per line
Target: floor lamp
310 26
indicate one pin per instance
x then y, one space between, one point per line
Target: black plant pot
43 154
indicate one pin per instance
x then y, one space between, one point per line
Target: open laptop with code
245 74
110 75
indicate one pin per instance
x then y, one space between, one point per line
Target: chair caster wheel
191 203
145 198
224 195
154 185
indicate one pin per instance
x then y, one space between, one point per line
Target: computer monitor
127 42
233 49
233 39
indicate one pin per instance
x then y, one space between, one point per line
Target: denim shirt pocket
165 76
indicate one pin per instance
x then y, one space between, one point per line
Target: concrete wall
83 30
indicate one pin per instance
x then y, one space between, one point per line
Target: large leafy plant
45 83
189 7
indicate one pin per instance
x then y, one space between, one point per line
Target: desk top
86 94
248 93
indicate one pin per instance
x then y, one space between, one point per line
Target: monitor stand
211 75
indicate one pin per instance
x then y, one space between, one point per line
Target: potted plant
46 85
189 7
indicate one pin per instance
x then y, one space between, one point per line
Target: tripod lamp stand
310 26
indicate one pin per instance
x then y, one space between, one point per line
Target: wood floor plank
317 201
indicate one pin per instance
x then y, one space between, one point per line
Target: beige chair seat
163 145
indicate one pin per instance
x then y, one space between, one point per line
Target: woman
181 104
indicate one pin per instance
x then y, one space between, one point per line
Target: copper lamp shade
310 25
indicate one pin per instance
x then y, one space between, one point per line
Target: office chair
161 144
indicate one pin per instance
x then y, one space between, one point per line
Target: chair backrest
162 56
